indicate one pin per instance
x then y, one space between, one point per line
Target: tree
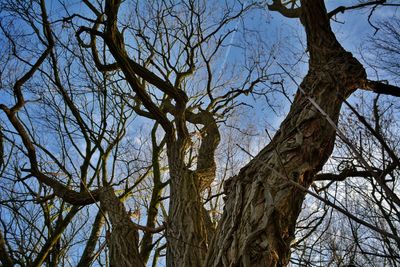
371 127
148 62
77 146
268 207
322 236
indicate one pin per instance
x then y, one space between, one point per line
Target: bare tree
265 198
325 234
63 130
179 43
159 60
370 124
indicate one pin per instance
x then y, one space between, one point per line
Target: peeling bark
261 208
206 166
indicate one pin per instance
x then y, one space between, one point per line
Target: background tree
64 129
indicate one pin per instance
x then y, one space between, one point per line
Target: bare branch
381 87
283 10
342 9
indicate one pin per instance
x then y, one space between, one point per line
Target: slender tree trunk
147 243
52 241
262 207
89 251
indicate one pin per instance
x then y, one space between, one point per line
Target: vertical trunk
210 138
189 225
261 209
147 244
88 254
123 238
53 240
187 228
5 258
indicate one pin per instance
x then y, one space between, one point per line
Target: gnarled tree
147 55
265 198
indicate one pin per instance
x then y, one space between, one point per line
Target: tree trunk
189 224
123 238
261 208
55 237
89 254
147 244
5 258
187 233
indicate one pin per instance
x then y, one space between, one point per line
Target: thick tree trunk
262 207
5 258
123 238
187 233
189 226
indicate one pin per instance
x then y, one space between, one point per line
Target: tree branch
283 10
343 175
380 87
342 9
89 254
55 237
1 149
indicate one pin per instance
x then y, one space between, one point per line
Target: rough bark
123 238
189 224
210 138
187 233
261 208
5 257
